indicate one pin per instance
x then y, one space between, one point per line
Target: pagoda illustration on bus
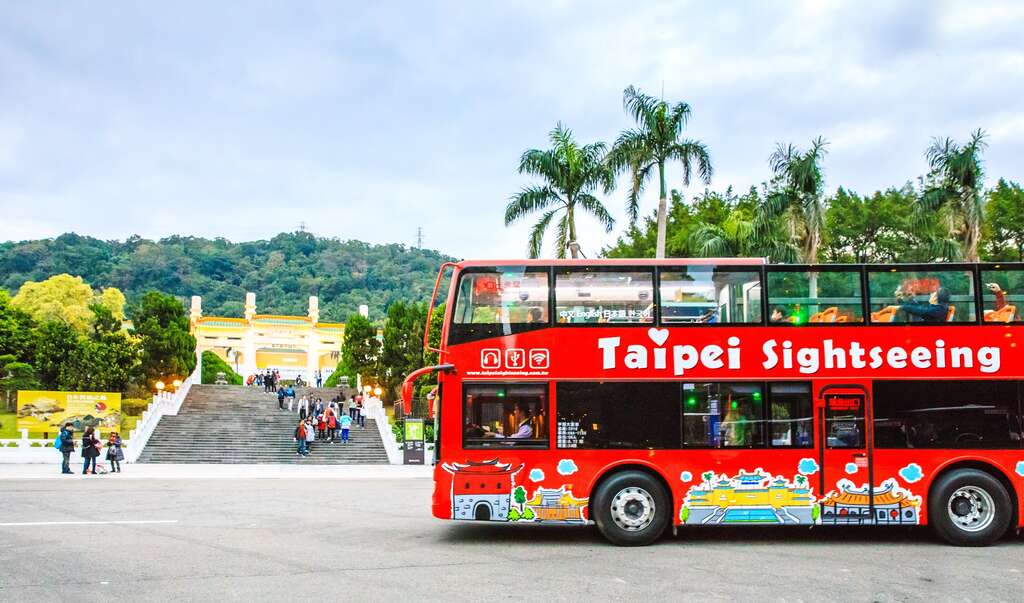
852 505
482 490
749 498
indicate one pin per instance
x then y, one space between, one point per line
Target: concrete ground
371 539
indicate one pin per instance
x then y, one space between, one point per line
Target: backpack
57 443
301 432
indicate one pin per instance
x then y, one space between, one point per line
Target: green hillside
283 272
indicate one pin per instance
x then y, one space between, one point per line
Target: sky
372 120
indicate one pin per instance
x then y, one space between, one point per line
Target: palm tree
736 236
796 197
953 190
653 143
571 173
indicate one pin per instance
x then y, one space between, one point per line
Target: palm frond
529 200
537 234
689 152
597 209
562 236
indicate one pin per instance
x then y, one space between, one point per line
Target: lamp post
159 385
176 383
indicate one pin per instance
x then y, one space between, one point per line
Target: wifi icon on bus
540 358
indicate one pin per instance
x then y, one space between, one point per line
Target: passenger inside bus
779 316
736 427
1003 311
936 309
523 417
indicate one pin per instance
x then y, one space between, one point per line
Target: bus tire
631 508
968 507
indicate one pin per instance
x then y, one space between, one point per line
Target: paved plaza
372 538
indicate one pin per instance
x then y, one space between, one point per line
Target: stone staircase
234 424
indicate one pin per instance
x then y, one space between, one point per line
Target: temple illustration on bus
693 392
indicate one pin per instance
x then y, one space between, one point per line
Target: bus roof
618 262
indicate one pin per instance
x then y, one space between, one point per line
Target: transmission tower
419 237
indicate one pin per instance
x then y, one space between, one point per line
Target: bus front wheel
969 507
631 508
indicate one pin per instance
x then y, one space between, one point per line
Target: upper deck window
923 296
492 302
1003 294
596 296
710 295
823 295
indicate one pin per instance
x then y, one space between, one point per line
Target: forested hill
283 272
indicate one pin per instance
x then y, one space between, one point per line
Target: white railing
164 403
391 445
31 450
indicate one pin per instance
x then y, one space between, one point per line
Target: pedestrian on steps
361 415
303 408
310 434
332 424
345 422
300 437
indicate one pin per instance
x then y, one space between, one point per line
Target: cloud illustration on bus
911 473
536 475
567 467
807 466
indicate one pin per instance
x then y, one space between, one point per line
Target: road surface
361 539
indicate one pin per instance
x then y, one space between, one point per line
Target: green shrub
213 364
133 406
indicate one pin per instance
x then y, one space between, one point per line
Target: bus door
845 493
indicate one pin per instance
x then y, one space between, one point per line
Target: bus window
710 295
826 295
496 302
933 295
1003 294
791 415
591 296
844 422
618 415
947 414
723 415
502 416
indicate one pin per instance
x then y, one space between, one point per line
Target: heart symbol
658 336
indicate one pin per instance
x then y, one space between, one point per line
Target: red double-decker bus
638 394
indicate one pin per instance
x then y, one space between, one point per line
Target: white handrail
164 403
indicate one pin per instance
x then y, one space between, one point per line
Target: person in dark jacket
300 437
114 453
67 446
935 310
90 450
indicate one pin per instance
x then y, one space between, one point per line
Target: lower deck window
723 415
505 415
947 414
618 415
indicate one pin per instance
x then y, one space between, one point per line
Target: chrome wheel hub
633 509
971 509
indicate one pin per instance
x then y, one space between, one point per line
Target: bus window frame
515 328
979 282
549 407
973 268
754 268
655 296
779 268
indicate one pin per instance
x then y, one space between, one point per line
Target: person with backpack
300 437
66 444
90 450
310 434
114 453
332 423
280 398
345 422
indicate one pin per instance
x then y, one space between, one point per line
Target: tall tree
401 350
572 174
953 189
67 299
1004 222
360 348
168 349
653 143
795 197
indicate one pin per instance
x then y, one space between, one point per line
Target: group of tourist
328 423
268 380
92 448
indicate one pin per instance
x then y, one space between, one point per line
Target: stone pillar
364 310
196 312
250 306
249 352
312 352
314 309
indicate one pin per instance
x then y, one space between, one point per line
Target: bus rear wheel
631 508
969 507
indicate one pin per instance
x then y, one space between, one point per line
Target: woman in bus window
935 310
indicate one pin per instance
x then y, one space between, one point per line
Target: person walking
90 450
67 446
332 424
319 379
310 435
346 423
303 408
280 399
356 400
300 437
114 453
361 414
